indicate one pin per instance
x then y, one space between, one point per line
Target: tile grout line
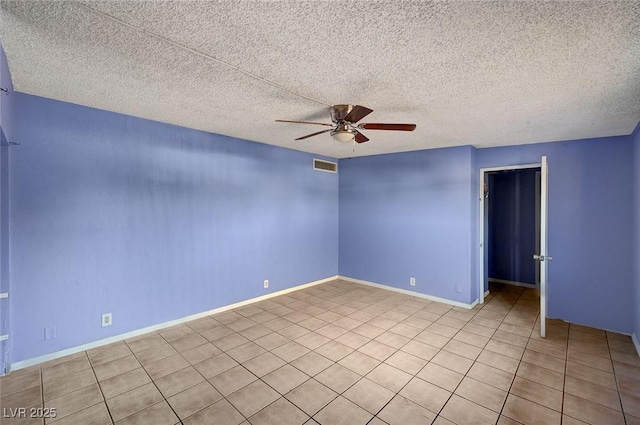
514 373
154 382
611 360
564 378
429 361
77 389
186 389
615 378
100 386
520 361
41 389
492 335
483 348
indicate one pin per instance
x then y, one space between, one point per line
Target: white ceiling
467 73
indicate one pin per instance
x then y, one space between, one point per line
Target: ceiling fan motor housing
339 112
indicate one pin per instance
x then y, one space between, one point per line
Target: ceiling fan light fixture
343 136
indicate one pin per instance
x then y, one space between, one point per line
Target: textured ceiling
467 73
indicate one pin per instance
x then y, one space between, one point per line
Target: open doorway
511 265
512 202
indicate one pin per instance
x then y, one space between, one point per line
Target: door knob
542 257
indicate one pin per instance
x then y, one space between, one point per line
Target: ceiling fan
344 127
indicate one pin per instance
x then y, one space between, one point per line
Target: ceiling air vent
326 166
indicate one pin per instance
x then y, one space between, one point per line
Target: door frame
543 224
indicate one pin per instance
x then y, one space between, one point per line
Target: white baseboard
486 292
634 338
413 293
512 282
52 356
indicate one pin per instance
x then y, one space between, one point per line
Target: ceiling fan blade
357 113
361 138
306 122
395 127
313 134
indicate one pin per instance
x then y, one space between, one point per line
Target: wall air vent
326 166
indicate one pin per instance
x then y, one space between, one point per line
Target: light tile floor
343 353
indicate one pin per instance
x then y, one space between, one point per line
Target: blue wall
411 215
416 214
512 226
590 217
6 135
152 222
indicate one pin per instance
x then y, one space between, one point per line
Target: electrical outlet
458 289
412 281
266 283
106 319
49 333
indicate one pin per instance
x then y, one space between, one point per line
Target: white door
543 256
